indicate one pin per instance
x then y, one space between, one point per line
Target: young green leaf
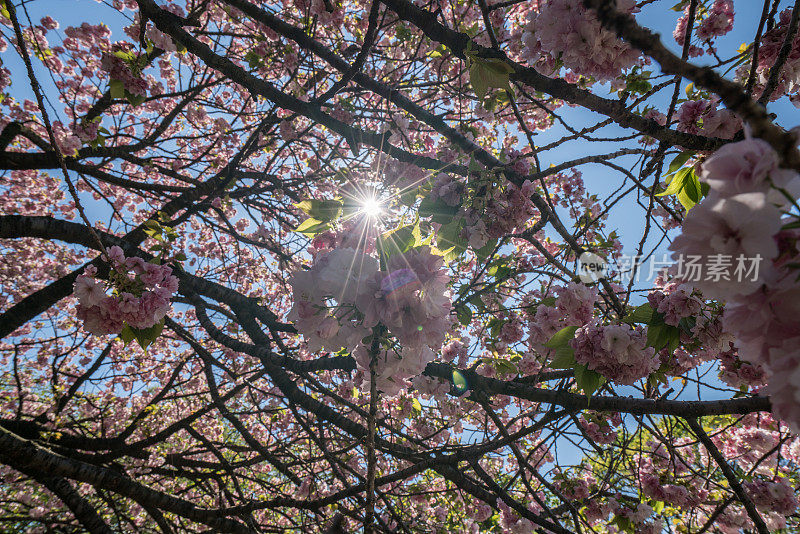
485 73
321 210
464 314
562 337
587 380
311 227
680 160
564 358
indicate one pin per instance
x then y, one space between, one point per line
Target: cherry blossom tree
321 266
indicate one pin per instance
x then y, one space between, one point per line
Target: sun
371 207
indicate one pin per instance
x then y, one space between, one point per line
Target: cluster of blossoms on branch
600 427
121 66
141 296
563 33
486 210
744 215
771 43
718 21
618 352
344 296
675 301
636 515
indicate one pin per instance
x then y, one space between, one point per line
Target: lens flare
371 207
460 383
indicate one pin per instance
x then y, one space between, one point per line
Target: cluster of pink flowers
510 208
574 488
86 131
475 231
771 42
705 118
68 143
449 190
456 350
403 175
665 475
598 511
121 70
141 299
574 306
160 39
600 427
742 217
770 496
344 295
564 32
675 301
618 352
434 387
91 36
674 494
754 444
511 522
324 299
737 373
717 22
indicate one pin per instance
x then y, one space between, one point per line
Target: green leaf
642 314
127 335
128 57
416 233
409 196
485 73
321 210
476 301
663 335
134 100
437 52
396 241
495 325
548 301
564 358
449 238
587 380
4 10
686 186
501 271
680 160
562 337
311 227
658 506
505 366
437 210
146 336
676 184
116 88
687 324
464 314
486 250
691 192
623 524
253 59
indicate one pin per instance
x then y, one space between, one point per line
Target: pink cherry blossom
738 226
618 352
